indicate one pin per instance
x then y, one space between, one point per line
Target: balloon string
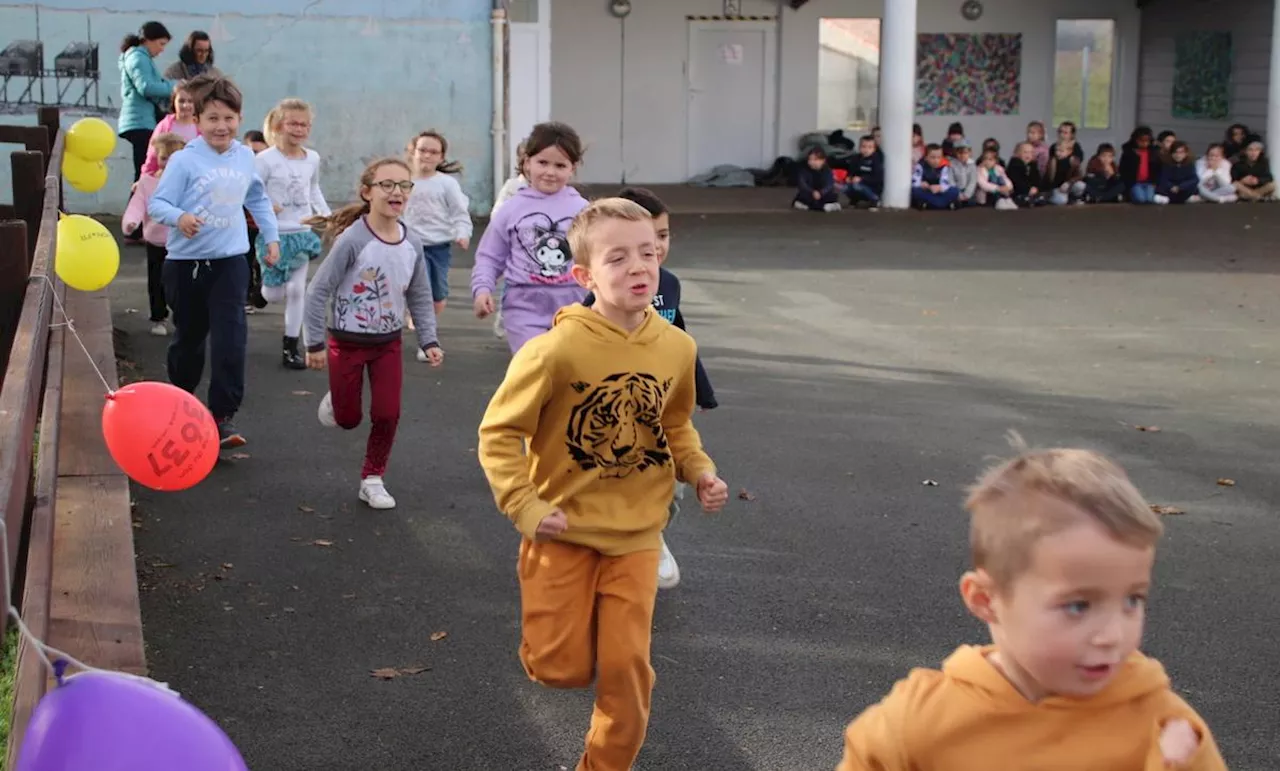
70 326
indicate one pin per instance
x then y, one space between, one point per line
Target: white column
898 98
1273 95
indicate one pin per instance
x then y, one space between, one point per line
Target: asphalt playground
868 365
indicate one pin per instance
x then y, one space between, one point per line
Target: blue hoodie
217 188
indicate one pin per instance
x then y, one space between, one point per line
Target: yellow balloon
85 176
91 138
87 255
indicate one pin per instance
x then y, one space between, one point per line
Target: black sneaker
228 436
256 299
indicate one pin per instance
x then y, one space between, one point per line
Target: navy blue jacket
1183 177
871 169
667 303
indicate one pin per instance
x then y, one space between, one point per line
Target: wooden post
28 196
51 119
13 287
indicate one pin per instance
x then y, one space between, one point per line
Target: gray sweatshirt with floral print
367 284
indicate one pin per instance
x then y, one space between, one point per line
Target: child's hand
277 208
129 227
552 525
189 224
463 243
273 253
816 195
483 305
713 493
435 355
1178 742
315 359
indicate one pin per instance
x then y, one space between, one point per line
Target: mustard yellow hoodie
607 415
968 717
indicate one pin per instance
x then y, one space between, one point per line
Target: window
522 11
1082 72
848 74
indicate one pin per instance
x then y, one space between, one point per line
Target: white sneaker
1006 204
374 493
1161 199
422 355
831 207
159 329
1195 199
668 570
325 413
800 205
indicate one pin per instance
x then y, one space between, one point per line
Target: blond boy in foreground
604 400
1063 545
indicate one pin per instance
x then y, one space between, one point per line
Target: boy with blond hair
1063 545
604 400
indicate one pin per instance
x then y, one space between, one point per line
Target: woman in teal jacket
142 89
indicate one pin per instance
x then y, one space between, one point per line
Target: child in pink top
182 121
154 234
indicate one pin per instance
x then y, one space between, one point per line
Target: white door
525 75
528 72
731 85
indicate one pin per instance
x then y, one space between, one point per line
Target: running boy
617 382
202 197
1063 546
667 302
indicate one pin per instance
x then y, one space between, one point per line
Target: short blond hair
168 143
271 125
1004 528
579 236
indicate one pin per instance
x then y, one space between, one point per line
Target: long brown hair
445 167
552 134
343 218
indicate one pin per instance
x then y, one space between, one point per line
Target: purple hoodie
525 242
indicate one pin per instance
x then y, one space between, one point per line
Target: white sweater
1214 179
437 212
293 184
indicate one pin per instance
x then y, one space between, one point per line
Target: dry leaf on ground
303 393
1166 510
306 509
746 495
322 542
227 566
929 483
240 456
390 673
1149 429
1224 482
438 636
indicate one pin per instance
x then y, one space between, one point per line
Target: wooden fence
64 503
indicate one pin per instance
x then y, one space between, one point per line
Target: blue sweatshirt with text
217 188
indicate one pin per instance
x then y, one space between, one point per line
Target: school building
664 90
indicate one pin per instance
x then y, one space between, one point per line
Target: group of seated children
1150 170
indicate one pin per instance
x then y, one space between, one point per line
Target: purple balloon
107 721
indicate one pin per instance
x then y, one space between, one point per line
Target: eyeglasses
389 185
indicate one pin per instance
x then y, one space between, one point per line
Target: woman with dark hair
194 58
143 92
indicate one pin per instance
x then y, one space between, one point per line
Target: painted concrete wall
1249 22
375 74
622 83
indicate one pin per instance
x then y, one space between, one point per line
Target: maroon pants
347 365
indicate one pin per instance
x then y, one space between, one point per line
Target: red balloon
160 435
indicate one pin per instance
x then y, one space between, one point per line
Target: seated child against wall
1179 182
931 186
1024 173
1214 173
817 184
994 187
955 135
1064 178
866 174
1252 174
1062 547
964 173
1102 181
991 143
